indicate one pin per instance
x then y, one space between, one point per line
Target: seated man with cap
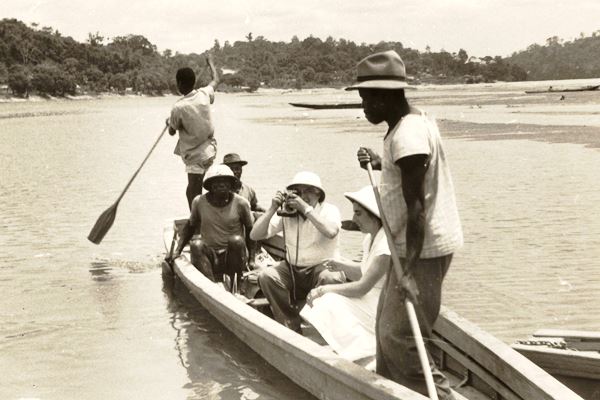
310 229
233 161
219 221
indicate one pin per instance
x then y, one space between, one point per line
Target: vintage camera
286 210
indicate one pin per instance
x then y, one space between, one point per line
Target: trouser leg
194 187
276 283
396 353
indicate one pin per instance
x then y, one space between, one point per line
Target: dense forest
41 60
577 59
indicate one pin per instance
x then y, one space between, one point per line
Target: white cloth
191 117
348 324
417 134
314 247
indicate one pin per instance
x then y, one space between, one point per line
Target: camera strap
292 291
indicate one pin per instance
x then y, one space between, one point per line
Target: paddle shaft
141 165
410 308
106 219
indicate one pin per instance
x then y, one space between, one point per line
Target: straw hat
366 198
218 171
308 179
233 158
381 71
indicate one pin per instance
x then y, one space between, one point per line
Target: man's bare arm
413 189
213 72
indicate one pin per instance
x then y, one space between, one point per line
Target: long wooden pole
410 308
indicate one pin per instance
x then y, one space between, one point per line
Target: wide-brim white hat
307 178
366 198
218 171
383 70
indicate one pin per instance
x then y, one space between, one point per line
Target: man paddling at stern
191 117
417 197
220 219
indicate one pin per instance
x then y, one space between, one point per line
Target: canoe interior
478 365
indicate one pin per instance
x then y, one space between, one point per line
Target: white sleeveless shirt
417 134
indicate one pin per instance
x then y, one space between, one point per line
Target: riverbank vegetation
41 60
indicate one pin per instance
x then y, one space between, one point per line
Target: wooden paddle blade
103 224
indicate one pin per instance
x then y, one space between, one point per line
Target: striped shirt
417 134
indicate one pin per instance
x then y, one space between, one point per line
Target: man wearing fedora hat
417 197
219 227
234 161
311 237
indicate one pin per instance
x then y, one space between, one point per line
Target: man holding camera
310 229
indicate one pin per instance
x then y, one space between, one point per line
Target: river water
96 322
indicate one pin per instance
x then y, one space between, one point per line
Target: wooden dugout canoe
327 106
566 90
573 357
478 365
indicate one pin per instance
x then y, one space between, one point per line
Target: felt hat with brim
365 197
307 178
381 71
218 171
233 158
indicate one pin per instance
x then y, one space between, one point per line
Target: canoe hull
313 367
493 367
573 357
331 106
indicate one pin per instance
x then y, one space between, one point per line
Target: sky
481 27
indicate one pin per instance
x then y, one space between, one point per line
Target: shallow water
96 322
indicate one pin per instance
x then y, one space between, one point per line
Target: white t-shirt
416 134
313 246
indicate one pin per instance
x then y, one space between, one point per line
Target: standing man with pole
418 203
191 117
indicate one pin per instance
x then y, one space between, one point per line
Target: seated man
310 229
233 161
221 218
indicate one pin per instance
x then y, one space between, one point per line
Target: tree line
41 60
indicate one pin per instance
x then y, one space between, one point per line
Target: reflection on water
97 322
218 364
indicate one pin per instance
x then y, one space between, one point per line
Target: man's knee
266 276
327 277
236 242
198 249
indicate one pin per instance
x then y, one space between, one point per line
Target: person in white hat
417 196
344 314
221 222
310 229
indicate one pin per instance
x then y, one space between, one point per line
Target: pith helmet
308 179
366 198
218 171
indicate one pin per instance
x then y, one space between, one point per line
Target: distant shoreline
34 98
